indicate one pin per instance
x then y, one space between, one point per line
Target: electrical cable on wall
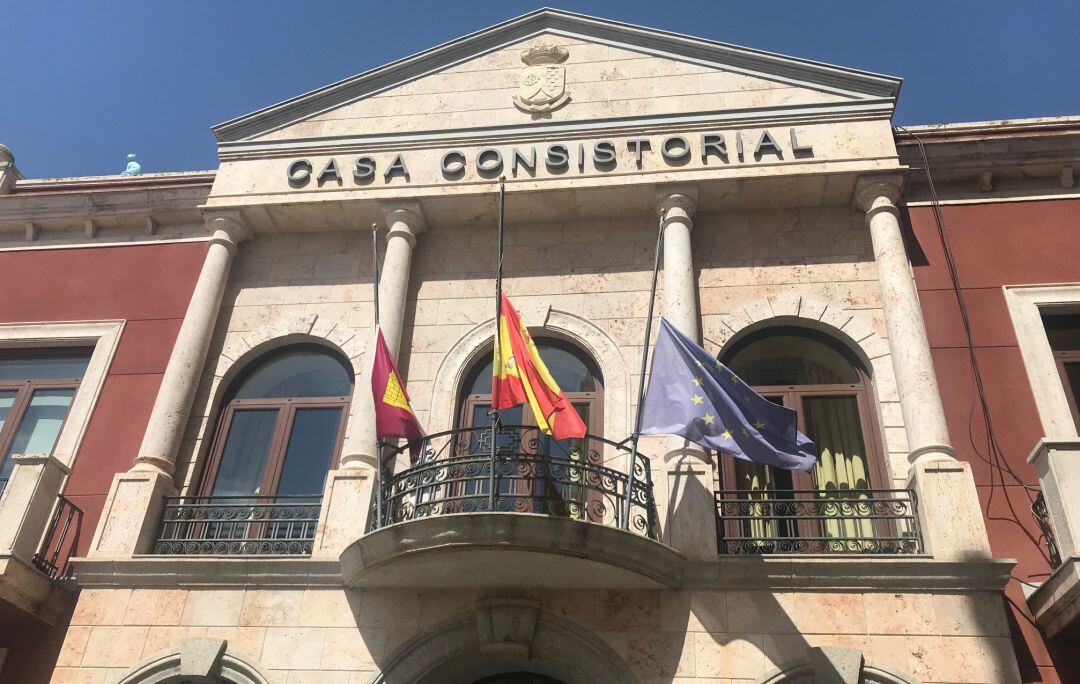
999 465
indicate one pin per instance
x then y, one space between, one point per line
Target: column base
950 515
689 522
132 514
345 509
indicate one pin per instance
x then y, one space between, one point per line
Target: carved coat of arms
543 81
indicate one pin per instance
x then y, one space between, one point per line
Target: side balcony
511 504
1056 603
39 533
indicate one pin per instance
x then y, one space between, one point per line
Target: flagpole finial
502 179
374 227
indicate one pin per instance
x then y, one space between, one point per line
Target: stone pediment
554 66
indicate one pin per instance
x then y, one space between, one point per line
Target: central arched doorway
518 678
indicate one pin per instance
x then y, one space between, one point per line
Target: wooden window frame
24 390
279 443
1062 359
286 409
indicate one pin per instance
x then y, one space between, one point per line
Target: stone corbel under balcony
1056 603
25 508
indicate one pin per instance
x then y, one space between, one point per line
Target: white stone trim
136 242
1026 305
996 199
104 336
197 659
591 339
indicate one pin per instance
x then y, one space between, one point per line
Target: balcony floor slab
511 550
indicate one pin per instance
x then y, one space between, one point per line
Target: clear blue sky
86 82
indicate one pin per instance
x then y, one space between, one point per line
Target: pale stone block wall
333 635
603 81
815 263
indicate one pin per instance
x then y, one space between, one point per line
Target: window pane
44 364
1063 332
246 449
7 399
299 373
569 371
311 448
40 423
784 358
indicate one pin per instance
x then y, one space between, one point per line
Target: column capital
676 198
873 192
404 219
227 228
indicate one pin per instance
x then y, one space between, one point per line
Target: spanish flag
520 377
394 416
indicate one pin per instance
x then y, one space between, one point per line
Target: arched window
574 372
281 426
829 388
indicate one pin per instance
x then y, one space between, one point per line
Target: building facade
195 492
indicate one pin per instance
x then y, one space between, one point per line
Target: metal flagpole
641 378
493 412
378 442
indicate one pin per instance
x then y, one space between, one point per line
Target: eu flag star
697 381
726 434
759 425
709 420
697 399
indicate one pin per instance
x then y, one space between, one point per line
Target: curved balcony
508 501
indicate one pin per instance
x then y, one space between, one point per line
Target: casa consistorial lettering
557 159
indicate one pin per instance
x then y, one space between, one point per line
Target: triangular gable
727 68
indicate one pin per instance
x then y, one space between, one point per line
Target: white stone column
349 488
677 205
949 508
404 221
133 507
690 510
169 416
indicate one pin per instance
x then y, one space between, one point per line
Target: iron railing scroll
519 469
1042 517
238 525
61 540
839 521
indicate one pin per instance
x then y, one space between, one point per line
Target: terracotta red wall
997 244
148 286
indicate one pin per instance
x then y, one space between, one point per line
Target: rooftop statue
132 168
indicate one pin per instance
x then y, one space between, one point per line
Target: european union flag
693 395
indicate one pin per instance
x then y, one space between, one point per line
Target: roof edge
749 60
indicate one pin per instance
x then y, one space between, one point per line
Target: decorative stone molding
199 660
507 625
878 193
452 370
454 650
677 202
1026 305
227 229
404 220
8 173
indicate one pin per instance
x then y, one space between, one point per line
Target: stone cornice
790 70
795 115
768 573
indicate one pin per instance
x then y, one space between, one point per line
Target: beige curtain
758 481
842 468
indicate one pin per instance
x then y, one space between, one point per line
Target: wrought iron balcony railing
1042 517
238 525
844 521
61 540
518 469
